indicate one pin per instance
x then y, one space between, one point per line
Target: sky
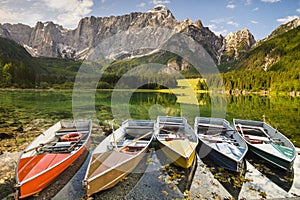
261 17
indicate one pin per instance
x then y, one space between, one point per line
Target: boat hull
112 176
40 182
219 159
178 159
271 159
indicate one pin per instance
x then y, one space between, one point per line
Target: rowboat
177 140
221 143
52 152
267 142
117 155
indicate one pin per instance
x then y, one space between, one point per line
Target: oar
141 137
73 145
169 131
40 145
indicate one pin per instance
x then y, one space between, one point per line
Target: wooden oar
141 137
40 145
73 145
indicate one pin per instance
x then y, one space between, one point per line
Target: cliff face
237 43
52 40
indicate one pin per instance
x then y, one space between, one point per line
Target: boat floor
229 150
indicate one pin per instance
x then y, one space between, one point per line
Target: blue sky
261 17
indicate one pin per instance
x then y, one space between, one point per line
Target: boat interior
257 135
173 130
137 136
70 137
216 134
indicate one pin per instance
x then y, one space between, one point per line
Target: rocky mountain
285 28
237 43
52 40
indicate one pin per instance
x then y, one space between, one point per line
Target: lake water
282 112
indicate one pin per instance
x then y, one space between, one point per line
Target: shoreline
167 91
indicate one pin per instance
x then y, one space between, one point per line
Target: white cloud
69 12
248 2
231 6
12 12
286 19
233 23
66 12
220 20
141 5
160 1
254 22
218 30
298 10
255 9
270 1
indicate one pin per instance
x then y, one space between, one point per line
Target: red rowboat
50 154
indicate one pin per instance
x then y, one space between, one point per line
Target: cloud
66 12
160 1
141 5
231 6
14 12
69 12
233 23
298 10
287 19
270 1
220 20
218 30
254 22
248 2
255 9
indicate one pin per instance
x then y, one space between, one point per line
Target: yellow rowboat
177 140
117 155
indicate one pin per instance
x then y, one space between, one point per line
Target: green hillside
15 67
18 69
273 65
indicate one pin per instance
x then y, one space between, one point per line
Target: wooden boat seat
211 125
72 129
139 127
256 139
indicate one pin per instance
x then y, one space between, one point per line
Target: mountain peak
236 43
161 9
